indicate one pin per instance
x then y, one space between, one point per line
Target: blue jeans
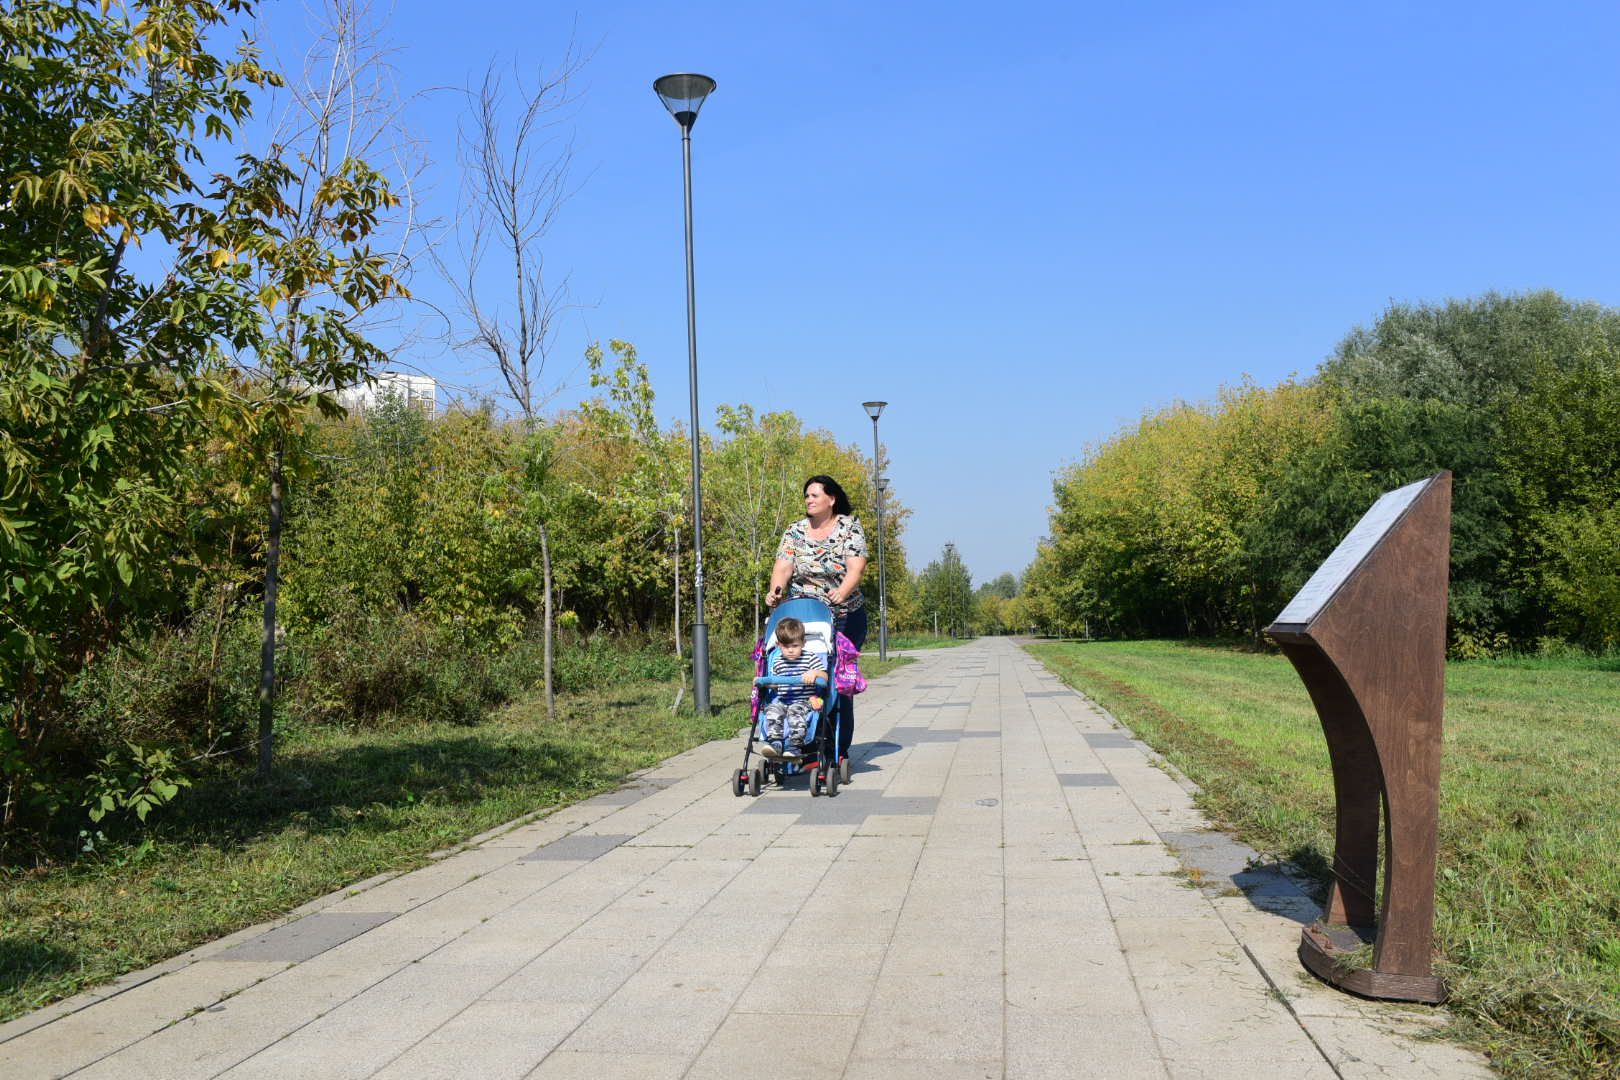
852 626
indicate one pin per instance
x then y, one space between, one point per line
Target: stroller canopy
816 616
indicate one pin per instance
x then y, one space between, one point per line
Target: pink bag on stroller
847 674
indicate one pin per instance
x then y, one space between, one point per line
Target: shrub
192 688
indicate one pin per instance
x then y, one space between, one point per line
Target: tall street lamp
883 617
874 409
683 95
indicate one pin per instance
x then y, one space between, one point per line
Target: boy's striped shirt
807 661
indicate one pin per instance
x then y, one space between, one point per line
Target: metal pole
883 611
700 628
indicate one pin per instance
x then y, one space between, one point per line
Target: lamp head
874 409
683 95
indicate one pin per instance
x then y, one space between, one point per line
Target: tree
515 187
754 479
992 604
1433 386
109 371
306 215
646 490
1560 459
947 591
1204 519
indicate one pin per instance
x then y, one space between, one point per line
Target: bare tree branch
517 177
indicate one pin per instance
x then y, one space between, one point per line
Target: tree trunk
676 533
267 650
217 635
550 620
681 693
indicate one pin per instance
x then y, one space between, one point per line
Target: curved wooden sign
1367 635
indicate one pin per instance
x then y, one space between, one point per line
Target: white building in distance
417 391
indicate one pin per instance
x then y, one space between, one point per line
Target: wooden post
1367 635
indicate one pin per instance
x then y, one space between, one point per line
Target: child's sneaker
794 751
771 749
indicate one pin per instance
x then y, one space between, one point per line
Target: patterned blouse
820 566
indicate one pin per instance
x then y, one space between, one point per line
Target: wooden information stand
1367 634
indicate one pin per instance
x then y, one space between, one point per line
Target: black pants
852 626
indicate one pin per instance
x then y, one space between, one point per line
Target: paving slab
1012 886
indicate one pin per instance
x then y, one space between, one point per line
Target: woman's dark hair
830 486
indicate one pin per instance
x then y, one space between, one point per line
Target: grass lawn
1529 882
340 807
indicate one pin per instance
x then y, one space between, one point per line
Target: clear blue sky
1023 224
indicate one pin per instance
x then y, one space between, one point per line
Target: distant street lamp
874 409
683 95
883 617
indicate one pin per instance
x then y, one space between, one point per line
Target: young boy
790 708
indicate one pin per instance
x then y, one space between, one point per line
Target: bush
1581 569
149 714
600 661
193 688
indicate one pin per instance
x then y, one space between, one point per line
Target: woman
823 557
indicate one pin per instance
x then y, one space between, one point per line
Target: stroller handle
790 680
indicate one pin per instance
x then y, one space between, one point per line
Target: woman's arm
780 574
852 579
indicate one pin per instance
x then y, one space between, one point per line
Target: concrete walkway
997 894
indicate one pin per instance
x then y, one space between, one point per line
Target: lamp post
883 613
683 95
874 409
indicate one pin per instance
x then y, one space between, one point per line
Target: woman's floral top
820 566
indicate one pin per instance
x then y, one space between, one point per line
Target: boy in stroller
812 726
787 713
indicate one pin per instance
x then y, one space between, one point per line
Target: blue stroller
820 756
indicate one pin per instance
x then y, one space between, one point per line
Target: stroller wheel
843 770
739 781
755 779
832 781
817 782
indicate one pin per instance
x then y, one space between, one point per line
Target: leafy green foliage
945 589
1205 519
144 403
133 782
121 381
107 376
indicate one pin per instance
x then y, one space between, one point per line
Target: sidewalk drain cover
1087 779
582 847
911 736
1101 740
631 793
307 937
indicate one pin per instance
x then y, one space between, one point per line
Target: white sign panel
1358 542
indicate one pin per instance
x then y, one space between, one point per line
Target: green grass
1528 892
340 807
